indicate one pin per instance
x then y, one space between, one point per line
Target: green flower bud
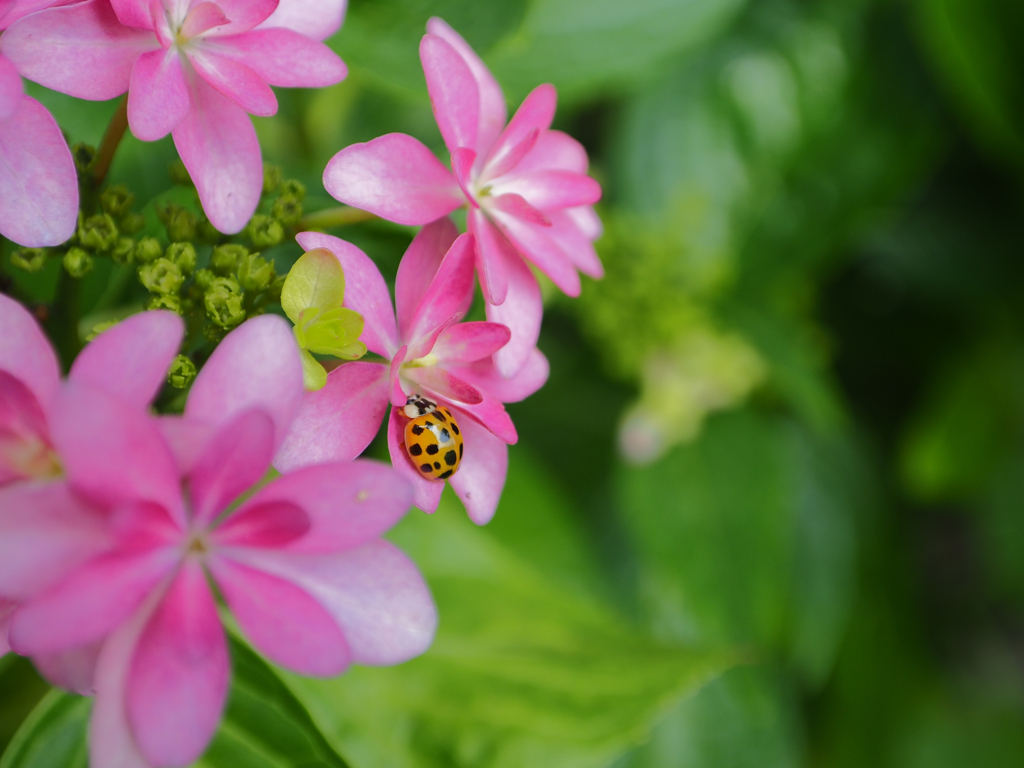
182 373
131 223
207 233
117 200
287 210
205 278
78 262
121 253
100 328
271 178
255 273
147 249
214 333
179 174
162 276
168 301
225 258
29 259
184 255
223 302
181 225
85 158
264 231
293 188
98 233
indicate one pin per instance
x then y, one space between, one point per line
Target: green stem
111 140
342 216
63 322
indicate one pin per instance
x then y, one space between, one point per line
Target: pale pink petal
25 352
493 111
45 532
537 246
235 459
468 342
73 670
513 155
186 439
449 295
203 17
365 291
492 415
395 177
522 312
453 92
374 593
481 476
418 267
587 220
82 50
440 382
12 10
38 184
236 81
493 250
528 379
336 423
427 493
282 621
218 145
6 611
11 89
158 98
551 188
131 359
516 205
396 394
316 19
462 166
133 13
574 242
283 58
257 366
534 114
178 683
244 14
25 450
555 150
89 602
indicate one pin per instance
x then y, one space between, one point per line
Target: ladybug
433 441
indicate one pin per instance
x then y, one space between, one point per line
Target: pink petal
131 359
25 352
493 111
534 114
178 684
133 13
244 14
113 453
316 19
492 252
25 450
235 459
273 524
73 670
12 10
536 245
516 205
522 312
450 294
492 415
555 150
11 89
468 342
283 57
513 155
282 621
527 380
203 17
236 81
218 145
427 493
440 382
38 184
347 504
257 366
90 602
6 611
587 220
481 476
336 423
453 92
548 189
374 593
574 242
365 291
45 532
396 394
82 50
462 165
418 267
186 439
395 177
158 98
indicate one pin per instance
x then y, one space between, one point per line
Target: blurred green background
769 509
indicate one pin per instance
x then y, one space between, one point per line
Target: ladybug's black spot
417 430
431 449
455 428
461 449
446 475
428 423
415 449
425 468
450 458
437 465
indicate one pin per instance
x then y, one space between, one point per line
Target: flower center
29 456
197 545
427 361
201 18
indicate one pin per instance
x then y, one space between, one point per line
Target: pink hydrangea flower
430 353
111 566
38 183
193 69
526 186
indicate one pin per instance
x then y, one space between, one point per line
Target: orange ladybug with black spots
433 441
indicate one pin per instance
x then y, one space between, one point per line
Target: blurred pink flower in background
526 186
429 352
192 69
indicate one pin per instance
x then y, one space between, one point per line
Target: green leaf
315 281
54 735
314 376
334 332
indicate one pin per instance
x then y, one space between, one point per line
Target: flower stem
342 216
63 321
111 139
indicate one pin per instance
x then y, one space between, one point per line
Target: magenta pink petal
244 15
468 342
481 476
282 621
186 439
453 92
418 267
38 185
336 423
492 414
6 611
492 251
133 13
218 145
551 188
569 231
438 381
202 18
236 81
26 353
522 312
462 165
534 243
449 295
11 89
527 380
395 177
316 19
365 291
73 670
178 683
427 493
283 58
272 524
82 50
516 205
535 113
158 98
257 366
555 150
511 158
235 459
131 359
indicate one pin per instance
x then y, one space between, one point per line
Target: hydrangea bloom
192 69
111 565
38 184
526 186
429 353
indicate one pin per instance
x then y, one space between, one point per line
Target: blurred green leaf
20 690
54 736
